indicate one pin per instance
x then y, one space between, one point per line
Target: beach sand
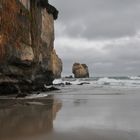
73 113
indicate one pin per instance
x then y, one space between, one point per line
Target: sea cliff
27 45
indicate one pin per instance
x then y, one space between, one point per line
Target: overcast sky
104 34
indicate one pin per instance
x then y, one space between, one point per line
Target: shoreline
76 112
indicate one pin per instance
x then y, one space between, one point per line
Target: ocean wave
33 96
101 81
65 82
118 82
134 77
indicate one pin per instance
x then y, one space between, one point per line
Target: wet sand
75 112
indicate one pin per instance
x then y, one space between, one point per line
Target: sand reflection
23 119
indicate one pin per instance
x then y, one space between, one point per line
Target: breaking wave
101 81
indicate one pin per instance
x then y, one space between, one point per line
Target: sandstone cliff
26 45
56 64
80 70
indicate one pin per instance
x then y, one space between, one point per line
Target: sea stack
27 45
80 70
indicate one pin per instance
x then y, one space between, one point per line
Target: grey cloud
101 18
118 59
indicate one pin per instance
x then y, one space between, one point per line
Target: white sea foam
76 82
36 96
103 81
119 82
72 81
134 77
57 81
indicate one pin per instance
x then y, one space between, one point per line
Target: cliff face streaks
26 44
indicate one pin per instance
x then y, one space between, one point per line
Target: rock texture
56 64
80 70
26 45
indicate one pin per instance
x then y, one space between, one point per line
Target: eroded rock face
15 44
26 44
56 64
80 70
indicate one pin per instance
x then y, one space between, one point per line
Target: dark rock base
22 87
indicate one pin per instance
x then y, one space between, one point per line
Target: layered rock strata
26 45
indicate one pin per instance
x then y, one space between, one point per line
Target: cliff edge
26 45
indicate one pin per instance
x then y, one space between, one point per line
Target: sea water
98 108
128 81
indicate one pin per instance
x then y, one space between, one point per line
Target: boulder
80 70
